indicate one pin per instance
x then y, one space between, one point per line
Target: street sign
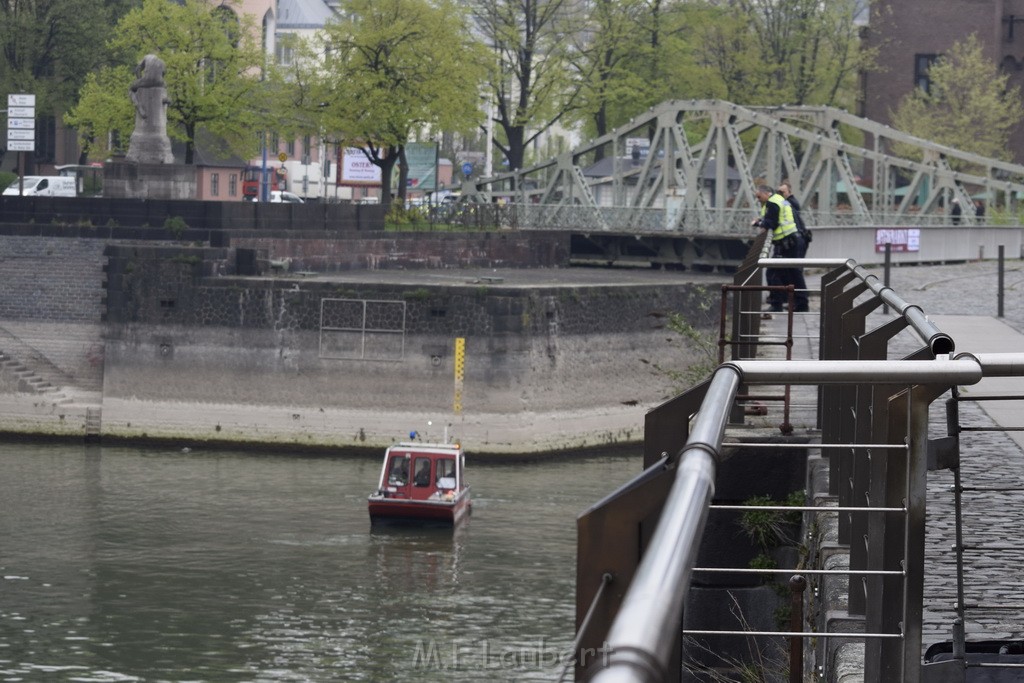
21 125
282 157
467 169
21 100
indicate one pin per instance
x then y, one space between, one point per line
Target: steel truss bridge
693 182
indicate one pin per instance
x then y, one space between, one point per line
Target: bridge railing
638 547
674 220
817 149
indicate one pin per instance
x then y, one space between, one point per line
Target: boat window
422 476
445 474
398 473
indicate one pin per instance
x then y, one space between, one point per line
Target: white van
44 186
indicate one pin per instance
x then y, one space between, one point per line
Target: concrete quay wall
288 361
934 244
151 339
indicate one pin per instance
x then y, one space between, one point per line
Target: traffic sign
21 100
21 124
467 168
282 157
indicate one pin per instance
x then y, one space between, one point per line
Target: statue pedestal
127 179
149 147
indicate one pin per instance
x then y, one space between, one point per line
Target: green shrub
176 225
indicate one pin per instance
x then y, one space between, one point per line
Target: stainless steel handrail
642 635
939 342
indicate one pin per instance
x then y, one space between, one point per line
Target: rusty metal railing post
1001 295
797 584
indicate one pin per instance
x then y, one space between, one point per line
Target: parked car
280 197
286 198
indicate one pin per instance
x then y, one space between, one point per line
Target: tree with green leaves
602 59
766 52
531 82
104 115
665 56
49 47
213 61
969 105
391 71
634 54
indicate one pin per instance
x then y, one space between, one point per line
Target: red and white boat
421 483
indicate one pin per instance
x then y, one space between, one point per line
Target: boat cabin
421 481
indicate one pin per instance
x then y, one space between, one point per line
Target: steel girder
680 187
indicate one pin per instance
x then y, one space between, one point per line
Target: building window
290 147
285 54
233 185
922 64
1011 22
215 184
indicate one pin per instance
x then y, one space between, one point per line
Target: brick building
910 34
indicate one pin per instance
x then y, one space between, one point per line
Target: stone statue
149 143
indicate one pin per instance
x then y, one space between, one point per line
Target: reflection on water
121 564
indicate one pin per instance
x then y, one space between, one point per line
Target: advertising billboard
355 169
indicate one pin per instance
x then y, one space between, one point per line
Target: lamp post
437 163
488 153
264 190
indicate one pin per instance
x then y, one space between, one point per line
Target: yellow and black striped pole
460 366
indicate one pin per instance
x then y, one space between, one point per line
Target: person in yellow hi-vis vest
777 218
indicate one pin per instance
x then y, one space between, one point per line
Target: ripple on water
218 566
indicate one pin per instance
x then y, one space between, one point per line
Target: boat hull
412 512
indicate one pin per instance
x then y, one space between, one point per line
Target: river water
128 564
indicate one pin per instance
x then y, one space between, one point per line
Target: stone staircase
30 370
29 381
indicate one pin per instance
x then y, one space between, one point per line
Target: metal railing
953 658
705 222
706 156
638 547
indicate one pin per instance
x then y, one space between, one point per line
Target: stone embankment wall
287 360
326 253
51 346
51 305
168 342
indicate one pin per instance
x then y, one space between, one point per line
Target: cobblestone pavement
957 289
989 460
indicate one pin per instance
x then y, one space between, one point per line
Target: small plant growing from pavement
696 336
765 660
176 225
769 529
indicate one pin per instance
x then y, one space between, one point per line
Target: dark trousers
792 246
